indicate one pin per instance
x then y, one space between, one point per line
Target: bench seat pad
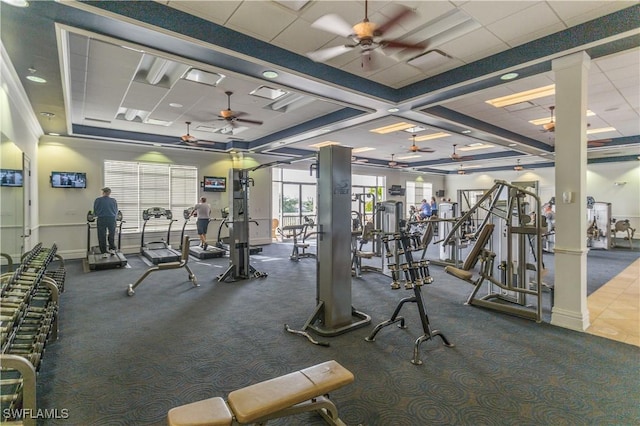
459 273
208 412
365 254
261 399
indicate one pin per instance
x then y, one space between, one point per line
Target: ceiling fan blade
244 120
395 44
367 62
333 23
400 13
597 142
324 55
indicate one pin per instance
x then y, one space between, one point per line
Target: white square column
570 289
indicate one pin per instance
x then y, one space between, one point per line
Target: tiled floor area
614 309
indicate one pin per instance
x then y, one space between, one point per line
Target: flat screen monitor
215 184
68 179
11 177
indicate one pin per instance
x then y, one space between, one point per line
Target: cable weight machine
239 249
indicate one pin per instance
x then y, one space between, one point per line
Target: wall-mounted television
68 180
215 184
11 177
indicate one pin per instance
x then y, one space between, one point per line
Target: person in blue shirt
425 210
105 209
434 207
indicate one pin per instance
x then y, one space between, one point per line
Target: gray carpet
126 360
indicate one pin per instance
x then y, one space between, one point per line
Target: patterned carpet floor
123 360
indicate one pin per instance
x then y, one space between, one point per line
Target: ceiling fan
416 148
519 167
356 160
395 165
456 157
232 117
365 34
188 139
191 140
551 125
597 143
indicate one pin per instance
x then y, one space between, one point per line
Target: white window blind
139 186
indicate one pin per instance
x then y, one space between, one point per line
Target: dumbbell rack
29 301
416 274
421 267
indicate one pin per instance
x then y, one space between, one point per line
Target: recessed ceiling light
432 136
393 109
362 149
326 143
509 76
519 97
466 132
175 105
47 114
269 74
513 144
36 79
601 130
474 146
415 129
392 128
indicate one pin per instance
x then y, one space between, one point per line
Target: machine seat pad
459 273
169 265
365 254
262 399
302 245
208 412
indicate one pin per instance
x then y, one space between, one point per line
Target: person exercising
203 211
105 209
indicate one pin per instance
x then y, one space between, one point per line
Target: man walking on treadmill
105 209
203 211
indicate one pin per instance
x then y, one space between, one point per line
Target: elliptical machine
95 259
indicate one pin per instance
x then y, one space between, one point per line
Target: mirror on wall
11 200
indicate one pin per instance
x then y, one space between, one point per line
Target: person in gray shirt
105 210
203 211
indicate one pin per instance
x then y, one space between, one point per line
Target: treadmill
158 251
94 258
194 245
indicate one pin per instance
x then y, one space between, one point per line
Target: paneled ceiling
139 71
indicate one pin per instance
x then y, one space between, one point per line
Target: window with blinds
139 186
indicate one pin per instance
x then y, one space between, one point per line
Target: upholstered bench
301 391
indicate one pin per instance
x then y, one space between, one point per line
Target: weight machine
239 249
334 313
520 262
599 220
299 233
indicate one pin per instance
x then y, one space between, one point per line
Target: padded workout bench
302 391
